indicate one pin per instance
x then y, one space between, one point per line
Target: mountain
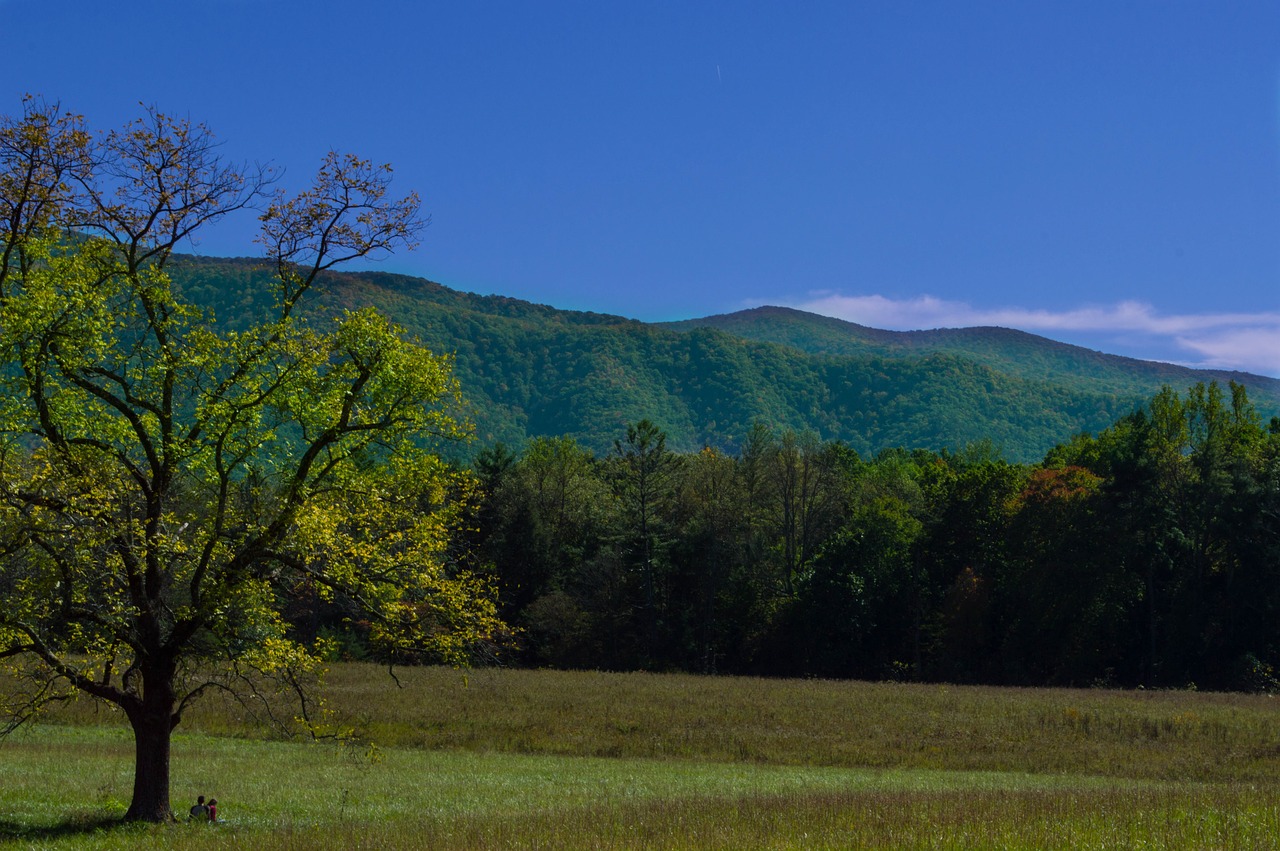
1003 349
529 370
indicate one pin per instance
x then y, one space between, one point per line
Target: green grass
588 760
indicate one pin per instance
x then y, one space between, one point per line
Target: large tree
643 470
168 485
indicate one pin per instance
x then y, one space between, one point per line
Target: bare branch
344 216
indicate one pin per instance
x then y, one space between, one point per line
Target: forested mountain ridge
1003 349
528 370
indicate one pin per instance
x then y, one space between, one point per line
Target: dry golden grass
1137 734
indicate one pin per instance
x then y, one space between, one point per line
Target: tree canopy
1144 555
168 485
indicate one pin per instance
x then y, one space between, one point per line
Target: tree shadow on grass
78 825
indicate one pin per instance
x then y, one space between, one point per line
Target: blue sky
1103 173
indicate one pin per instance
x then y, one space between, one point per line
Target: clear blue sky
1105 173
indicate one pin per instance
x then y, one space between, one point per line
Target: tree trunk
152 722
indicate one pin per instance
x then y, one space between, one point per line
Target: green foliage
529 370
1005 350
168 486
1140 556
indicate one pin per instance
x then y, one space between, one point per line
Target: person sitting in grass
213 809
200 812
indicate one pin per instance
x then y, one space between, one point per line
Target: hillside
1003 349
530 370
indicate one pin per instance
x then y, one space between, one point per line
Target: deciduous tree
166 486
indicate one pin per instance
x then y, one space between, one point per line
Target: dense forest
731 495
530 371
1146 555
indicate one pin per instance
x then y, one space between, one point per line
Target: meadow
545 759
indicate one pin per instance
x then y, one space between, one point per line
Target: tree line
1145 555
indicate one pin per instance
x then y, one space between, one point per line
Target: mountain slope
529 370
1004 349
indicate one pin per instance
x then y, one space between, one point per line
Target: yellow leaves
60 301
163 480
11 638
379 526
316 528
384 540
275 655
441 618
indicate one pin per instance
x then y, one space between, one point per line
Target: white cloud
1244 341
1250 349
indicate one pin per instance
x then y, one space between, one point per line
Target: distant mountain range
529 370
1004 349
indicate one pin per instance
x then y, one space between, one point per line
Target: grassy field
588 760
